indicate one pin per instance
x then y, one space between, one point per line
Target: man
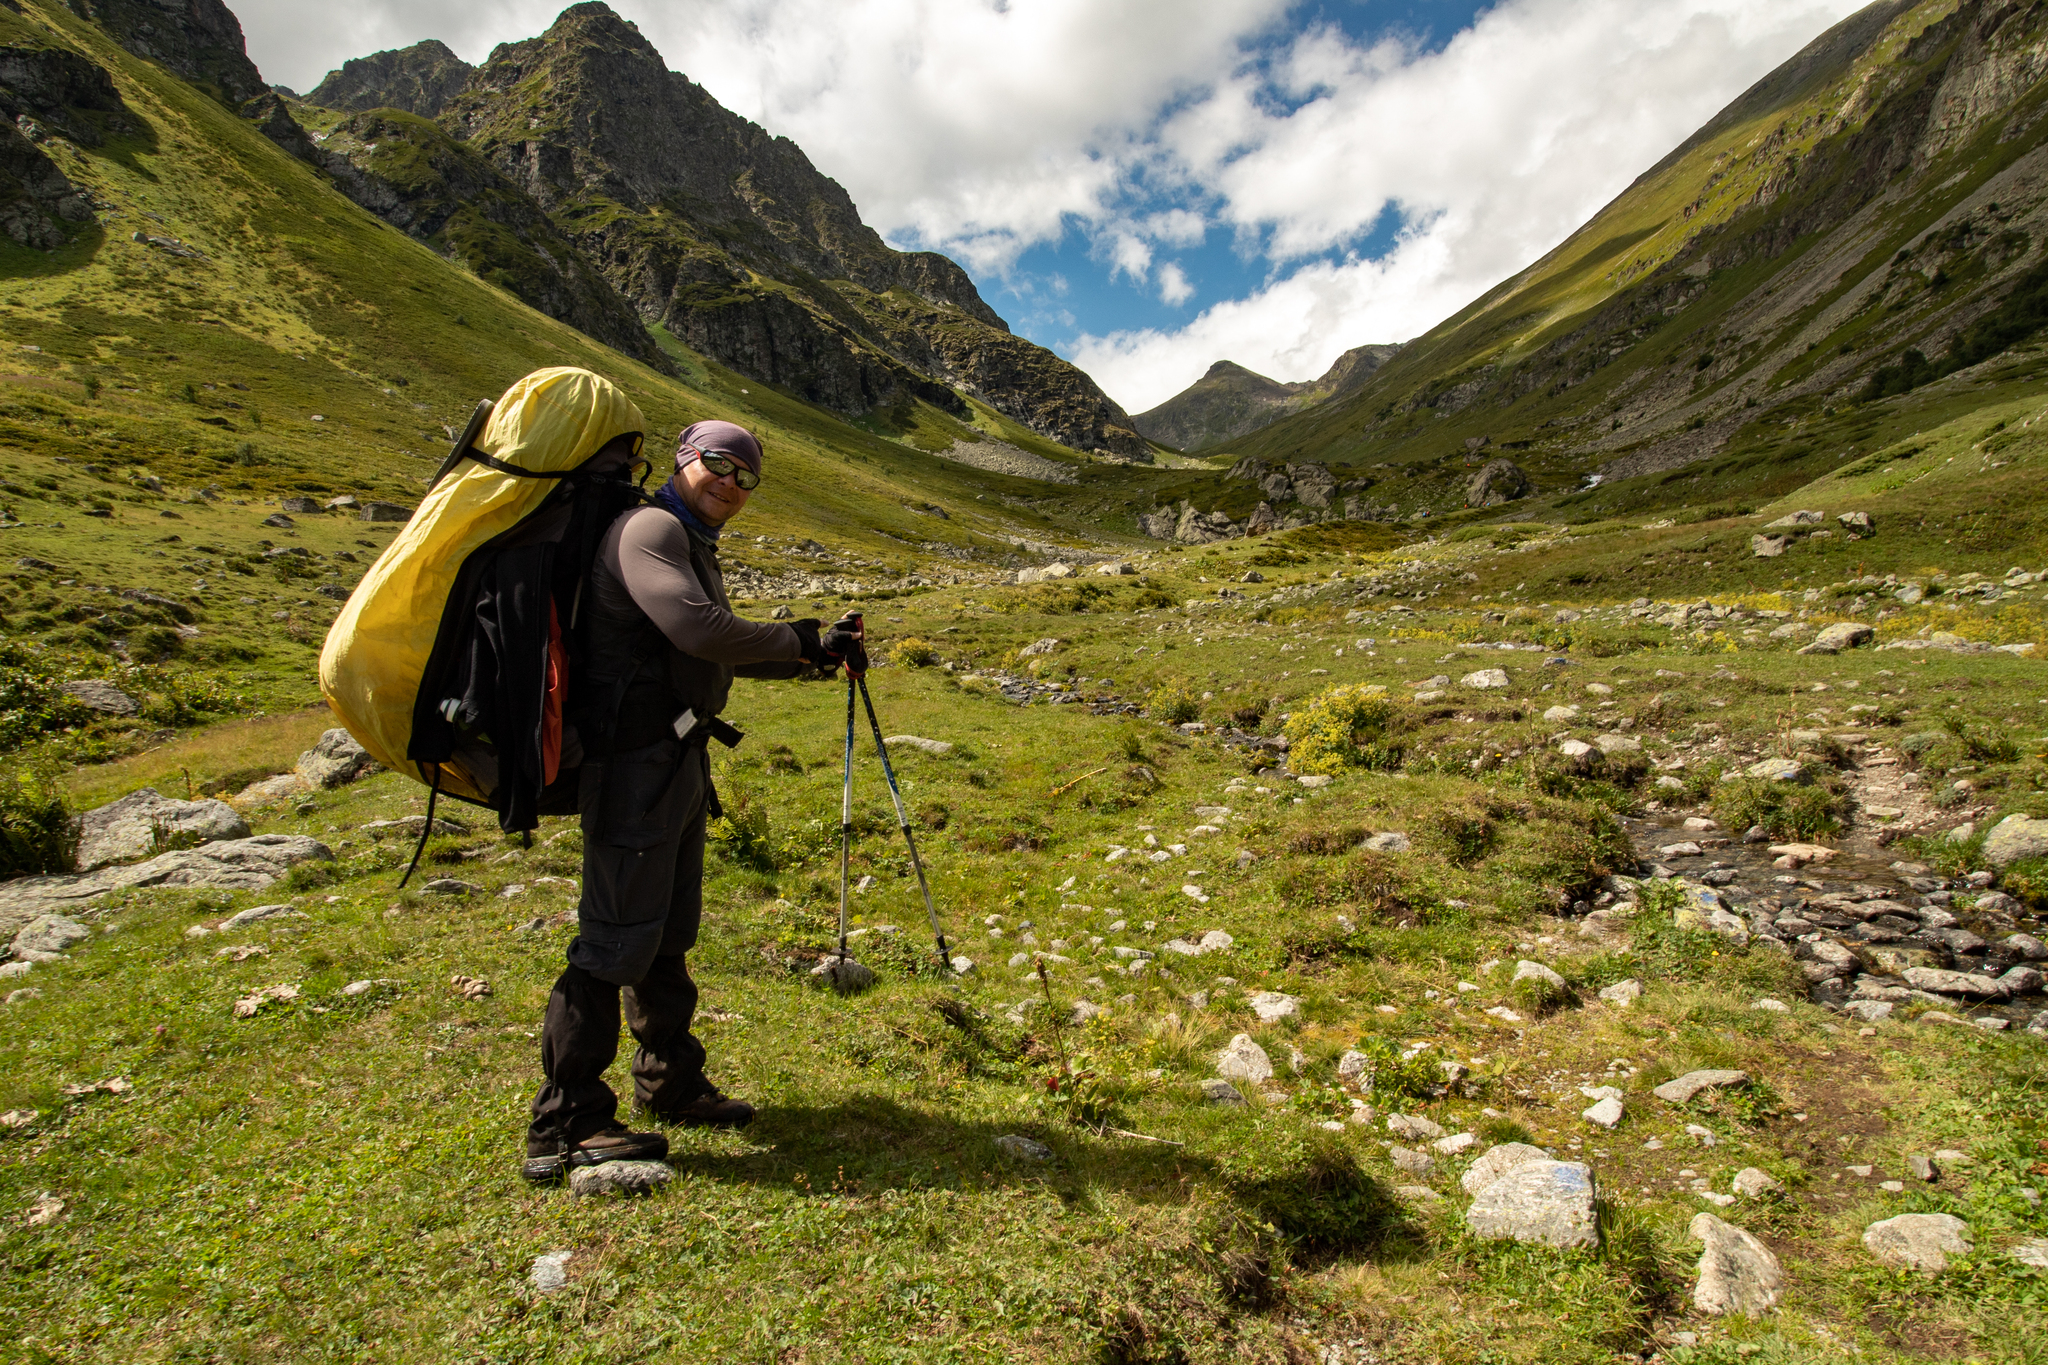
663 649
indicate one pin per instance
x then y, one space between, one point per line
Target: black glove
846 642
813 651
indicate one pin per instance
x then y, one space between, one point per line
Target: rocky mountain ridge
420 79
1230 401
699 221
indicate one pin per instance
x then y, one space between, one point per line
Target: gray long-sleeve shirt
649 561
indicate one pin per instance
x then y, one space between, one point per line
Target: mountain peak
420 79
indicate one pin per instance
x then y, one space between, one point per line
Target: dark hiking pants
643 873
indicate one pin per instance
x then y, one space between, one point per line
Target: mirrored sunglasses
721 465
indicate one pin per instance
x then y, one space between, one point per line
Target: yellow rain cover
376 651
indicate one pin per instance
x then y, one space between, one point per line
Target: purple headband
726 438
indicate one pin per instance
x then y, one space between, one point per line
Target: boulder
96 695
1244 1060
1682 1089
127 829
1352 1066
1738 1274
1497 1161
2016 837
1607 1113
1942 982
1802 518
1485 678
1497 482
46 936
385 511
1858 522
299 505
239 864
279 521
335 761
1546 1202
1768 547
1918 1241
1218 1091
1838 637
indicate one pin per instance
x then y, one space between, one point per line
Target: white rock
1918 1241
550 1273
1244 1060
1497 1161
1272 1006
1692 1082
1738 1274
1622 993
1484 678
1456 1144
1606 1113
619 1178
1546 1202
125 830
937 748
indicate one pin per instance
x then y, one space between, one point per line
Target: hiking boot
710 1110
608 1144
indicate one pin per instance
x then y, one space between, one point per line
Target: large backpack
455 658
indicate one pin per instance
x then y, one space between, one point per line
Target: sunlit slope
307 347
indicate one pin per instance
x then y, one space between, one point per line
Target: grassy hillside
1725 316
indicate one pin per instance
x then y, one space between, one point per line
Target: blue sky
1147 186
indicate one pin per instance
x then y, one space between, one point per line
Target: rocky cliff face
1231 401
729 236
200 40
420 79
47 94
410 172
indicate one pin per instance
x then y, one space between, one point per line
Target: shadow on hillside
872 1143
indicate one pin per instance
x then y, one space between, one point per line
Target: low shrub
1172 703
1346 727
912 652
37 830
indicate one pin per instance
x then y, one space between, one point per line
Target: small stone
2033 1252
937 748
1315 780
1413 1127
1218 1091
1244 1060
1682 1089
1622 993
848 977
626 1178
1411 1162
1353 1065
549 1273
1272 1006
1416 1194
1704 1136
44 1210
256 913
1918 1241
1457 1144
1772 1006
450 886
1022 1148
1921 1167
1892 1186
1752 1183
1607 1113
470 987
1485 679
1737 1273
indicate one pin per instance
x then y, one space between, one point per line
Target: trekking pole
903 820
846 817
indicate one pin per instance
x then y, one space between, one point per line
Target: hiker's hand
846 641
814 651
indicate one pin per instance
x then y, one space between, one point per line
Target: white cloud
983 127
1174 288
1493 149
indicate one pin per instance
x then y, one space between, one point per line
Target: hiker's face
715 498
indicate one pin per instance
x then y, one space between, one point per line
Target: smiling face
715 498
